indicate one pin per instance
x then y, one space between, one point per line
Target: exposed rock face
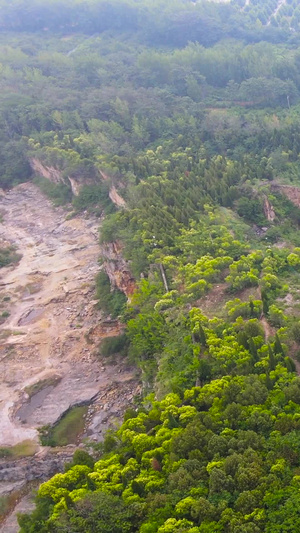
269 210
53 331
117 268
55 176
75 186
116 198
50 173
38 467
105 329
292 193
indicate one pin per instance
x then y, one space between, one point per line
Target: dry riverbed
45 350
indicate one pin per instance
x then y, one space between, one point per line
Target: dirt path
49 296
268 331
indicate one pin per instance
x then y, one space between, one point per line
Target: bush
276 317
251 210
111 302
8 255
59 193
93 195
80 457
114 345
295 332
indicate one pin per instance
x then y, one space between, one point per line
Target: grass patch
95 199
31 390
67 430
25 448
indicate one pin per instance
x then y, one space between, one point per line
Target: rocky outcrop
116 198
269 210
292 193
51 312
117 268
38 467
49 173
75 186
55 176
105 329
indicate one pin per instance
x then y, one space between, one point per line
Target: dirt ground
49 296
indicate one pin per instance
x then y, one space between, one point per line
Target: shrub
111 302
113 345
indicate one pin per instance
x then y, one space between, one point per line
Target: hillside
173 127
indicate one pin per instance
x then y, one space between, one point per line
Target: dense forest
191 111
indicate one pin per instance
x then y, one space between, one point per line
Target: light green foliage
236 308
190 110
243 274
175 478
277 316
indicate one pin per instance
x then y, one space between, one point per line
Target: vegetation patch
59 193
110 301
67 430
94 198
114 345
8 256
25 448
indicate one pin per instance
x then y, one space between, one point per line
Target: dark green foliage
189 111
251 210
91 196
60 193
295 331
113 345
14 164
272 362
80 457
8 255
99 513
110 301
278 349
